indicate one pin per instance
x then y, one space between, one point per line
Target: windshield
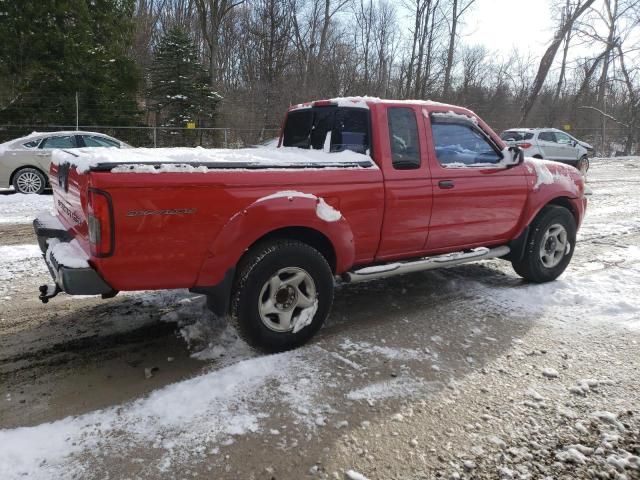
330 128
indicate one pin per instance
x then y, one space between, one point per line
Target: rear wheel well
311 237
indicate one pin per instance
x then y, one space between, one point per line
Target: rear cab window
328 128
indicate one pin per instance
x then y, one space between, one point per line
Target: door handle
446 184
42 154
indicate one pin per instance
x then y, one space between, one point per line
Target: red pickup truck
358 189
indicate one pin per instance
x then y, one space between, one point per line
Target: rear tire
282 295
549 247
29 180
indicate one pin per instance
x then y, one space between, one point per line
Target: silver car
24 162
550 144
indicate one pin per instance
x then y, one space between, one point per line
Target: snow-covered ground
21 208
465 372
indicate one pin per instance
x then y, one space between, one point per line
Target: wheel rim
29 182
554 246
284 298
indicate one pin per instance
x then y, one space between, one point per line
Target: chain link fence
608 143
218 137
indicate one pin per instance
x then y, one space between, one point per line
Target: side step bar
426 263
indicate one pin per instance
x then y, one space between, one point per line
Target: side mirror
513 156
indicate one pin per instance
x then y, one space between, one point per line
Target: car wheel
583 165
550 245
29 180
282 295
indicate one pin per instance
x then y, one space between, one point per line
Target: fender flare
265 216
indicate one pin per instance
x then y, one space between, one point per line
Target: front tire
282 295
29 180
549 247
583 165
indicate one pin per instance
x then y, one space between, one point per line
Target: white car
24 162
550 144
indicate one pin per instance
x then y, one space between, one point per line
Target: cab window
460 144
403 135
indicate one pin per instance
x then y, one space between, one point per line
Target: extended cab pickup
358 189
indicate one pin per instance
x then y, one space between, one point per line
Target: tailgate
69 195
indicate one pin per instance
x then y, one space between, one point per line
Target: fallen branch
605 115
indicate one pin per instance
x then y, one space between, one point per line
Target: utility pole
77 110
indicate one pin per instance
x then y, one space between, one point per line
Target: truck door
475 201
402 150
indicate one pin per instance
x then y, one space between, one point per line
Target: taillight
524 146
100 223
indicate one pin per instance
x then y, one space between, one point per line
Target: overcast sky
500 25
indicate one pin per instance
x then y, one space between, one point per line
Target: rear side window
547 137
31 144
403 135
460 144
516 136
58 142
96 141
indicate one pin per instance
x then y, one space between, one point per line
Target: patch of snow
175 419
23 208
398 387
68 254
194 160
353 475
389 353
326 212
305 317
543 175
288 194
451 115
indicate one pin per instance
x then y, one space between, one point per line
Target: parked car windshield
331 128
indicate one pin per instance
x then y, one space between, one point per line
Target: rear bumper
71 280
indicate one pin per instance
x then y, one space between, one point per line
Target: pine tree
178 89
51 49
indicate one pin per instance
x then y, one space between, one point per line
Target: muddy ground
461 373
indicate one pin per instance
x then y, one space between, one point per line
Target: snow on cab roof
198 159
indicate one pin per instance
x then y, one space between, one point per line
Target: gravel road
464 373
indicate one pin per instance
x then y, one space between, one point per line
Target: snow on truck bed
198 159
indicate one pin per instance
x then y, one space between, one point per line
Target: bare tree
459 7
550 54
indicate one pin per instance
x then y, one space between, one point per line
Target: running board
426 263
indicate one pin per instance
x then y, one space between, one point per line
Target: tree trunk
548 57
